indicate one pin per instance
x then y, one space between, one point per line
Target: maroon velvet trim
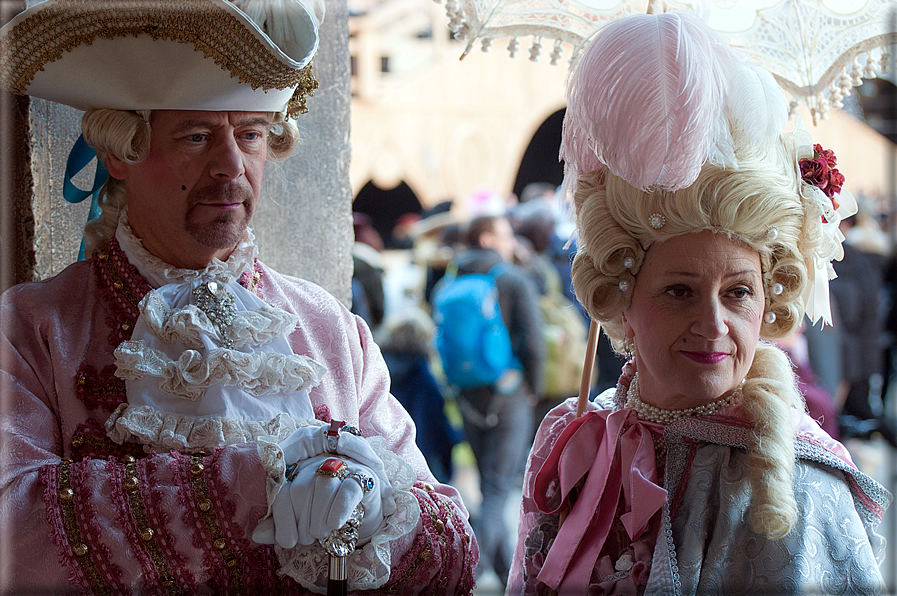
99 389
219 576
448 558
49 475
90 440
124 517
121 288
458 525
418 571
159 519
91 533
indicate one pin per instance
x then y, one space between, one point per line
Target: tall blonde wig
127 135
759 205
668 132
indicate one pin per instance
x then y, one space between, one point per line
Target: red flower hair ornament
822 184
820 171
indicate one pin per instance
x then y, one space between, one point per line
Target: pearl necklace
664 417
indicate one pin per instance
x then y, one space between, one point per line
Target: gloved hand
313 505
303 507
309 441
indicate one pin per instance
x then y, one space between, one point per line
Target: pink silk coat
79 512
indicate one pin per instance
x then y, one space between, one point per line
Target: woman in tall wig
705 231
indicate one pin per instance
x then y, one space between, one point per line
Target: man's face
192 198
501 239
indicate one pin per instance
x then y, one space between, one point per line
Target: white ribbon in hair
819 267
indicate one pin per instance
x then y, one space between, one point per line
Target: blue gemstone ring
364 481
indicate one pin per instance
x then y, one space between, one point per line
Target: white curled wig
665 123
127 135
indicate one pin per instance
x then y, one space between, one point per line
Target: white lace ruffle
164 431
256 373
189 324
369 566
160 273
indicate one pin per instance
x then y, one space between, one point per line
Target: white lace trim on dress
256 373
163 431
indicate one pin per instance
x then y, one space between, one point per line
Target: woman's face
695 315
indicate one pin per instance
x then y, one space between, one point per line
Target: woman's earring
628 347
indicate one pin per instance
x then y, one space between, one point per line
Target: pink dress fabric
68 493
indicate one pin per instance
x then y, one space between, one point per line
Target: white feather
756 107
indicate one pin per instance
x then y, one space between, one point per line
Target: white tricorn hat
214 55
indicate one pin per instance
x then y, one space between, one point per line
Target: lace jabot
208 363
159 273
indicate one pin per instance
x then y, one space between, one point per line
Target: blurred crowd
845 371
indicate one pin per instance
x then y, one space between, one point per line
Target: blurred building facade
449 128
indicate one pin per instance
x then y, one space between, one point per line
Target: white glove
311 506
308 441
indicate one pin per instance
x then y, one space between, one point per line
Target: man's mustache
222 193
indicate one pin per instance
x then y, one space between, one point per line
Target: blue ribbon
81 155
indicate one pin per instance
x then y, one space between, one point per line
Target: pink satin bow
610 447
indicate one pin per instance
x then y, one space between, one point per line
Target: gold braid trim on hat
306 88
212 30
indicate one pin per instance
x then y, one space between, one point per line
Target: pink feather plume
645 99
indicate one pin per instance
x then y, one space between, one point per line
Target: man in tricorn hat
179 417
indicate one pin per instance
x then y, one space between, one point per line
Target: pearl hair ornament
769 318
657 220
772 233
624 286
664 417
777 289
629 262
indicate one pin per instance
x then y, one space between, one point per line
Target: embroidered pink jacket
77 510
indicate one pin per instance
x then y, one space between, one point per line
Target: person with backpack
495 390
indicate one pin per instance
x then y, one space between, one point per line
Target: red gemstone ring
333 468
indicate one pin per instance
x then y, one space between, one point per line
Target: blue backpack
471 336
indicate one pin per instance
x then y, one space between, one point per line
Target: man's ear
117 168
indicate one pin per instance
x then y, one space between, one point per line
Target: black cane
338 582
